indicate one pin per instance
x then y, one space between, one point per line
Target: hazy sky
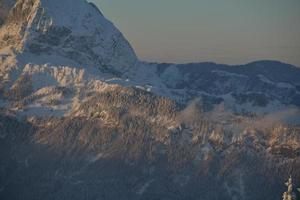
224 31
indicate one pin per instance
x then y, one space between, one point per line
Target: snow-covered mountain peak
57 50
73 29
79 16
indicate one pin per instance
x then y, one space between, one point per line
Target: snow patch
144 187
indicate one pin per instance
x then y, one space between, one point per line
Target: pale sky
222 31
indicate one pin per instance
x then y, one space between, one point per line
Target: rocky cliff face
82 118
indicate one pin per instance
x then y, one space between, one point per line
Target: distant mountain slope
259 83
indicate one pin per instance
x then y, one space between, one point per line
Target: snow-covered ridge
72 28
69 45
53 52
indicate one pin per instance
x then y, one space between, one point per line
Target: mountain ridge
68 53
84 123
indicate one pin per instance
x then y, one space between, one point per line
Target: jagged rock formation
82 118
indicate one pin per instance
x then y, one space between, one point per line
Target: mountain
46 44
258 87
73 29
82 118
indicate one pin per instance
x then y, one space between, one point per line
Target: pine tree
289 194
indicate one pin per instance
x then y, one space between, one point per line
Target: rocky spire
289 194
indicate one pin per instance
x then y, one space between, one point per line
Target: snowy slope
72 45
54 44
72 29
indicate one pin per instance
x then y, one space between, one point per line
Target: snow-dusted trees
289 194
